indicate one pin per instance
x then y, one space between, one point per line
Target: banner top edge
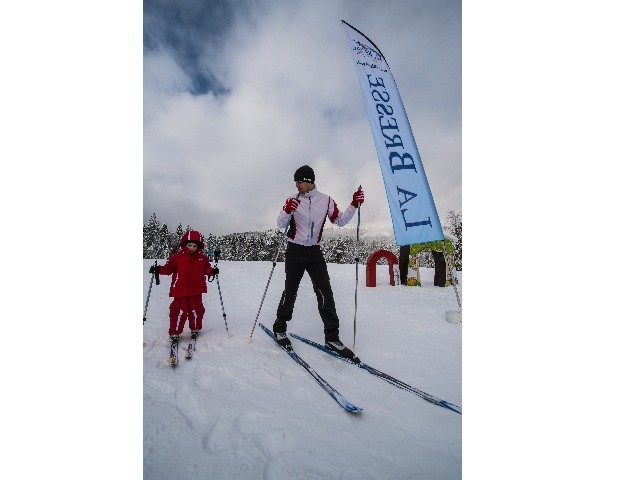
372 42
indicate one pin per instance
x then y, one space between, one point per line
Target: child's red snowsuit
188 283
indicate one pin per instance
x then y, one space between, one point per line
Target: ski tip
452 407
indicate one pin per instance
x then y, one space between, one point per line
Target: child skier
188 267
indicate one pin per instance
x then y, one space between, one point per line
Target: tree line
160 242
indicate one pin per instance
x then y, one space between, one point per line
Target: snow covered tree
164 241
174 242
150 238
272 243
338 247
210 243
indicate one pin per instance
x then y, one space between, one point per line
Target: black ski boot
338 347
283 340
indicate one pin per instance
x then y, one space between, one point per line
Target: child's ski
192 346
173 352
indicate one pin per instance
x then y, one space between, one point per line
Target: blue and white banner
413 212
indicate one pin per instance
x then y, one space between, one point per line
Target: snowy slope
241 410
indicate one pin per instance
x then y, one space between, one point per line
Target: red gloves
290 205
358 198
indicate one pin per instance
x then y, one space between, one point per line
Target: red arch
371 266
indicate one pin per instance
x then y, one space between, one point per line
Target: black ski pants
300 259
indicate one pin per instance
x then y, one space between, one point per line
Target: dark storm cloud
183 29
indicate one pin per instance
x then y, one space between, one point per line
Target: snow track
245 410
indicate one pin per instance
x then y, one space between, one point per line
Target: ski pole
357 261
216 256
275 259
155 275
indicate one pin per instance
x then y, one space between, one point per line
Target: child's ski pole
155 275
216 257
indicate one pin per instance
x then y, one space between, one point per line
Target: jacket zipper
310 239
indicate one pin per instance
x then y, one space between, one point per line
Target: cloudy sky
238 94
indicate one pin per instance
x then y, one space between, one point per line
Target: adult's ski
385 377
344 403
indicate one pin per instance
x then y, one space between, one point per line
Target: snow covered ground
241 410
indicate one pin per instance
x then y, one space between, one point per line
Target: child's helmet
192 236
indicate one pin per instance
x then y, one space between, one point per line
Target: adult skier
306 214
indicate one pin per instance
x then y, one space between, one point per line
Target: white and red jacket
308 219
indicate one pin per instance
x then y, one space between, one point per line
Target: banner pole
453 280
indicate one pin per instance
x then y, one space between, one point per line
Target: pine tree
175 241
150 234
210 243
273 243
164 241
